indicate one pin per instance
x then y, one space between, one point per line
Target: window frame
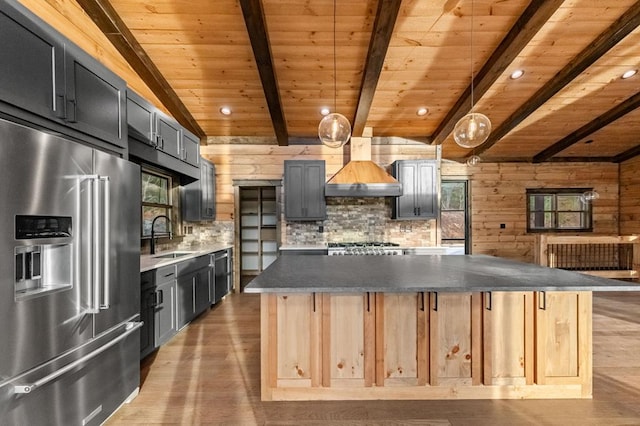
169 207
586 212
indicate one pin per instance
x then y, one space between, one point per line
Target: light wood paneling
630 197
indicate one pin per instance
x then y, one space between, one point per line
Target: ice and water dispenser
45 266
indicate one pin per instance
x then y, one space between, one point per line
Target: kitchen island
425 327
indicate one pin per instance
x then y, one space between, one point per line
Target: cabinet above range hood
361 177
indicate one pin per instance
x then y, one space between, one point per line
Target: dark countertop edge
623 287
149 263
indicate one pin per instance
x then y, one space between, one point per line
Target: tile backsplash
360 219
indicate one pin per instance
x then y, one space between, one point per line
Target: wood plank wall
69 18
630 197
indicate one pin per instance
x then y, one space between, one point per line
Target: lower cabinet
426 345
166 324
193 289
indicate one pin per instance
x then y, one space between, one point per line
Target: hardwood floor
210 374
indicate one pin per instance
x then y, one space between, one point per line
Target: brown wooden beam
594 125
627 155
598 47
257 29
532 19
378 45
110 23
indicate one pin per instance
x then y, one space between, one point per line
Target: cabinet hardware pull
422 304
489 299
435 301
368 295
71 112
542 301
161 293
314 302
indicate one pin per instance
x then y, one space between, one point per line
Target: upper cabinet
47 80
199 197
304 190
158 139
419 199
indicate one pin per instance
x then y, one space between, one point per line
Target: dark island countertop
411 273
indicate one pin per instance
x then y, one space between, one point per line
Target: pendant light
334 129
474 128
473 160
590 195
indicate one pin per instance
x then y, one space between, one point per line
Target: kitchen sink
174 255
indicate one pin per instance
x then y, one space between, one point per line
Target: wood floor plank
209 374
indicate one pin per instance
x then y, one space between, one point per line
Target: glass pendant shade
472 130
334 130
473 160
589 196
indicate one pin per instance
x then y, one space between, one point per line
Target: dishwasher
220 261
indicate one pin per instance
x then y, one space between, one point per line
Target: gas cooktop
362 244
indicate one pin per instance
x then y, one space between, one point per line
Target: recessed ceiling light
422 111
225 111
630 73
517 74
325 111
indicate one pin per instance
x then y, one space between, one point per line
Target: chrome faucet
153 232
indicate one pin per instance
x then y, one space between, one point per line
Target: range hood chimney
361 177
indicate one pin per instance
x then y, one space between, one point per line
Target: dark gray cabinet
199 197
190 148
165 326
168 135
304 190
193 289
419 199
140 118
147 312
220 274
45 75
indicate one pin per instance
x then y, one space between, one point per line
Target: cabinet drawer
165 274
191 265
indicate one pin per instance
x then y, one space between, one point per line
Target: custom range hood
361 177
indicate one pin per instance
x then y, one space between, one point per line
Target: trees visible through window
156 200
453 211
558 210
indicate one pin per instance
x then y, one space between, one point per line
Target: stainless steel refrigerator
69 280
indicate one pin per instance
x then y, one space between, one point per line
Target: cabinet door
455 338
96 98
186 298
563 338
296 353
304 190
348 351
147 314
402 345
32 71
190 148
508 338
201 292
426 195
168 135
140 118
208 186
165 318
405 205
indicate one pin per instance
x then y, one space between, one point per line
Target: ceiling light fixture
474 128
517 74
225 110
334 129
325 111
473 160
422 111
629 74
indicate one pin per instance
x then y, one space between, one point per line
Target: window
558 210
156 200
453 211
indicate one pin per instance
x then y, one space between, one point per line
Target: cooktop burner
362 244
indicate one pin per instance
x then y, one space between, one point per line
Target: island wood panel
630 197
402 347
348 351
563 339
508 338
455 339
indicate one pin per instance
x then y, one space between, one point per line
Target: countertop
415 273
149 262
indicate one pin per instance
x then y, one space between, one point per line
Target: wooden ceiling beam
110 23
627 155
257 28
594 125
378 45
598 47
532 19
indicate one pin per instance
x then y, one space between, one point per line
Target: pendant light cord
335 84
472 13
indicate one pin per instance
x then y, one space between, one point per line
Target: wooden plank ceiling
272 63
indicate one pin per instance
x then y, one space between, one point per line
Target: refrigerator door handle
130 328
99 238
105 227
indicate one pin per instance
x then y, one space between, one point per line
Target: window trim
587 211
169 207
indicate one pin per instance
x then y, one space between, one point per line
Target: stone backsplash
208 232
360 219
